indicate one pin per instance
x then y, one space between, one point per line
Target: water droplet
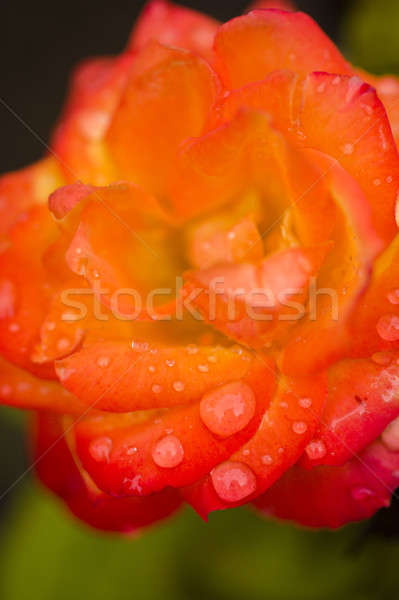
305 402
361 493
233 481
390 436
5 390
389 179
131 450
299 427
100 449
377 182
348 149
63 344
388 328
103 361
382 358
281 450
13 327
178 386
336 80
246 452
393 296
316 449
228 409
151 369
168 452
267 459
203 368
23 386
212 358
157 389
170 363
191 349
50 325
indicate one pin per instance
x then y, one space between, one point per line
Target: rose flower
200 282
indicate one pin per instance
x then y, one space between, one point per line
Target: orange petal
363 399
137 454
115 377
159 109
57 470
252 46
286 428
343 117
20 389
176 26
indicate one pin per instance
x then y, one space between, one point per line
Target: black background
40 42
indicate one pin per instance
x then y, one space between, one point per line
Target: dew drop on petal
388 328
359 493
178 386
203 368
192 349
156 388
233 481
103 361
63 344
382 358
212 358
305 402
168 452
13 327
390 436
228 409
316 450
151 369
348 149
267 459
100 449
131 450
393 296
299 427
170 363
5 390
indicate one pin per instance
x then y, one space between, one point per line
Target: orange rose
207 307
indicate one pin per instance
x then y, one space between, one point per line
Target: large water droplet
390 436
100 449
267 459
233 481
388 328
316 450
228 409
168 452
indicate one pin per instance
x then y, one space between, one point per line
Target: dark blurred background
43 553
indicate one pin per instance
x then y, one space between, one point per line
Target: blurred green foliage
371 35
46 554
